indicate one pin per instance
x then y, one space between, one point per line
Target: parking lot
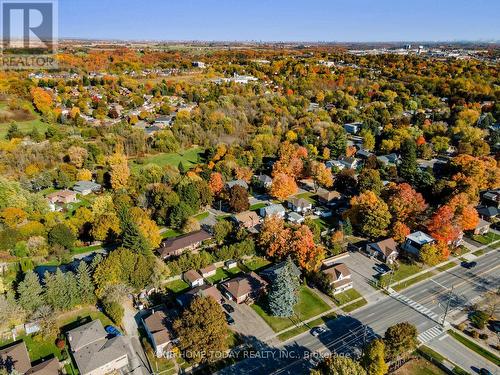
363 270
248 323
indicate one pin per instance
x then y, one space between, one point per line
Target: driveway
248 323
362 272
138 361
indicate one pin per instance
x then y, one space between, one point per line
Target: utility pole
450 295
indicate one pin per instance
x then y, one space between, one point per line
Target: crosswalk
415 305
430 334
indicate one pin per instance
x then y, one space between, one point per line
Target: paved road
347 334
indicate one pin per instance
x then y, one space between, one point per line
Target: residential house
230 264
86 187
247 219
241 183
177 245
328 197
200 291
198 64
295 218
491 198
340 277
157 329
390 159
482 227
349 162
62 197
164 121
488 213
386 250
272 272
15 358
246 287
414 242
299 204
273 210
264 181
94 353
193 278
363 154
208 271
353 127
335 163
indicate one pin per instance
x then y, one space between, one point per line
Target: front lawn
405 270
306 327
446 266
177 286
487 238
346 297
308 306
419 366
257 206
256 263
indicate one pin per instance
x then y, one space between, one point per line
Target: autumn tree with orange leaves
283 186
321 174
405 204
216 183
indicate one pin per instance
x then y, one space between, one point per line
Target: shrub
461 327
114 310
475 334
479 319
60 343
483 336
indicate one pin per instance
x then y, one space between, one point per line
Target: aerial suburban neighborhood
178 201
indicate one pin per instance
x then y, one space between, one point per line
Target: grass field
189 158
446 266
257 206
24 126
170 233
306 327
202 216
346 297
309 305
487 238
222 274
405 270
256 263
419 366
177 286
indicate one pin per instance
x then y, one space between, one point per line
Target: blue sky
281 20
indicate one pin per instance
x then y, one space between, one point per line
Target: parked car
468 265
484 371
229 319
228 308
495 326
314 361
382 269
316 331
111 330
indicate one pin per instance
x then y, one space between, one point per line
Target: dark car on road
468 265
228 308
112 331
229 319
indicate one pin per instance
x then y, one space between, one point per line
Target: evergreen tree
72 290
182 168
132 238
14 132
98 258
85 284
55 290
30 292
408 168
373 358
284 289
347 227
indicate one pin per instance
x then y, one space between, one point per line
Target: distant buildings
177 245
353 127
86 187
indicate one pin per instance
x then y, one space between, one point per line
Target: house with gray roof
273 210
86 187
263 180
414 242
94 353
389 159
241 183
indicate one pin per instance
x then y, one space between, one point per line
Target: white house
340 277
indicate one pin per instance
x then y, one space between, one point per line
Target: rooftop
420 238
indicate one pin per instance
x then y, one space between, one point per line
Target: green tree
369 179
347 227
85 284
202 330
283 294
373 358
61 235
14 132
30 292
339 365
408 168
132 238
221 230
400 340
238 199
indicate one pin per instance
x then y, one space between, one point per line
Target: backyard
256 263
309 305
177 286
223 274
